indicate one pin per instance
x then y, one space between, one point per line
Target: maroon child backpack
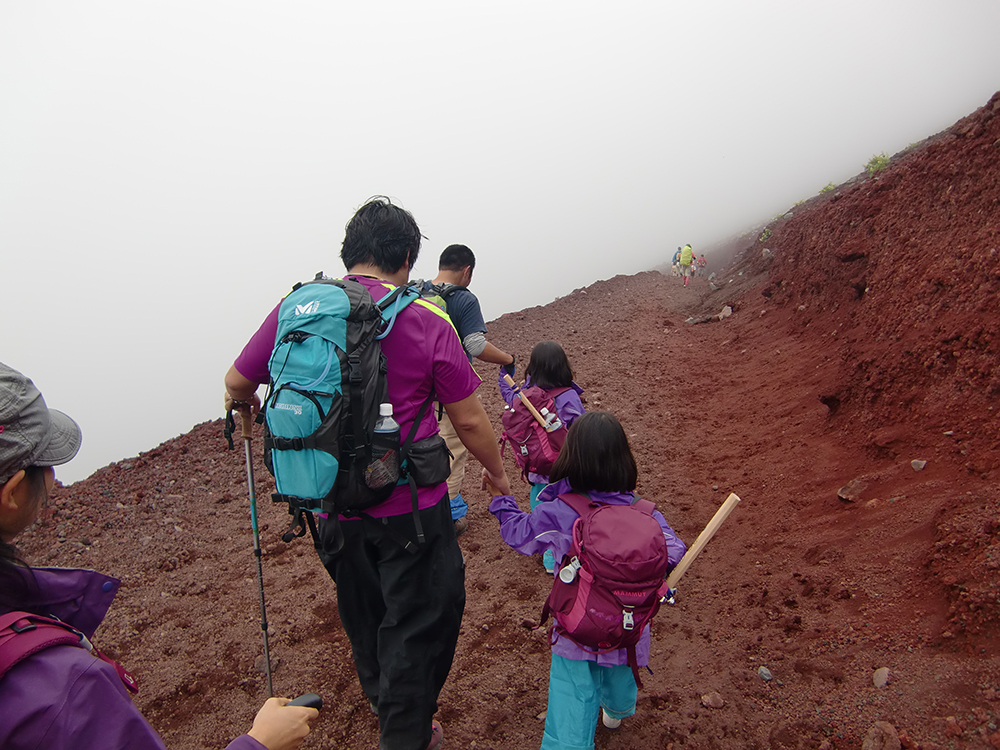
534 449
617 567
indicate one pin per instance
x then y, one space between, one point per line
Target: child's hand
495 485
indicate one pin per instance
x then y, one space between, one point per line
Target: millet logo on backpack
289 407
310 308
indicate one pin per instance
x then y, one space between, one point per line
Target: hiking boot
608 721
461 526
437 736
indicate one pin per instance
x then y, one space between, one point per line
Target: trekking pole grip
310 700
247 422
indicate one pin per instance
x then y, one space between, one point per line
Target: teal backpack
328 378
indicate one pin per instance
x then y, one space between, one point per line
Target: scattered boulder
713 700
881 736
765 674
881 677
852 490
260 664
953 727
918 464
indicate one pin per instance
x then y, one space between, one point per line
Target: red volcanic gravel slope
864 336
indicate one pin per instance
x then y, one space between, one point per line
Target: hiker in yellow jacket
687 263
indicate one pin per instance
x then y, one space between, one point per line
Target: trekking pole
244 411
524 400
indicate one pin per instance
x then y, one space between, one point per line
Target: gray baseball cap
31 434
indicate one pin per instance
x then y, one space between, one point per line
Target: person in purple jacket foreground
595 460
63 697
548 368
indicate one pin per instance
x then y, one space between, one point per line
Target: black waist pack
428 461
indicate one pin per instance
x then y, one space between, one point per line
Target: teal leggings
577 692
535 489
548 559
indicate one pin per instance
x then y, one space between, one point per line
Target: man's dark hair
596 456
549 366
382 234
456 257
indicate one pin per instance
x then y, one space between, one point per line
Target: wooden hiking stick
524 400
703 538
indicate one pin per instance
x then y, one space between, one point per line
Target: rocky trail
850 601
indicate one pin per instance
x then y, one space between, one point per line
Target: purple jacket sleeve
675 547
245 742
549 525
569 406
63 698
505 390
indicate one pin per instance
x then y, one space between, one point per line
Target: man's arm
240 388
467 316
476 433
493 355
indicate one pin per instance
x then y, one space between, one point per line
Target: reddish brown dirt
866 338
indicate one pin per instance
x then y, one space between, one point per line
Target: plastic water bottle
552 421
384 467
385 422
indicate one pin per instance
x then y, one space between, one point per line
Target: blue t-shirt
464 311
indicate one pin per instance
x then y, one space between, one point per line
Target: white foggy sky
169 169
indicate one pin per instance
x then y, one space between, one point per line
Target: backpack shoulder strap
23 634
646 506
392 303
582 504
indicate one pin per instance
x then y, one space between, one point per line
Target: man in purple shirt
63 697
400 609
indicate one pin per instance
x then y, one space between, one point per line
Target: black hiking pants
402 612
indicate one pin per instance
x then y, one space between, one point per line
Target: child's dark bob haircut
596 456
549 366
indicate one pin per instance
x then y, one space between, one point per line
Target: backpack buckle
354 368
23 626
627 622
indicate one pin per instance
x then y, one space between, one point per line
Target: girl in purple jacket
548 368
595 460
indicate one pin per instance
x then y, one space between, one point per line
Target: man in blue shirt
455 269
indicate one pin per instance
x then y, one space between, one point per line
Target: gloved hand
509 368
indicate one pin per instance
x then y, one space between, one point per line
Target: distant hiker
64 696
686 259
548 369
701 263
401 603
597 462
455 269
675 264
